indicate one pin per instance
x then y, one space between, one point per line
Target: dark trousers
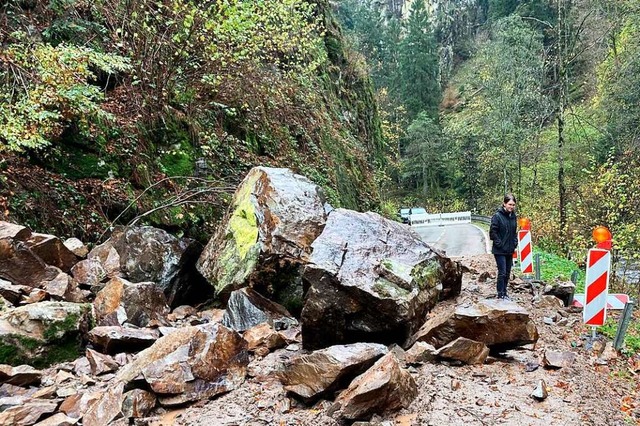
504 262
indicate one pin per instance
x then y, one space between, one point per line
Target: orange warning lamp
601 234
524 223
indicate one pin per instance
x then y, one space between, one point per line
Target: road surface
462 239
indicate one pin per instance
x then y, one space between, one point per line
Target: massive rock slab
42 332
321 372
371 279
274 217
191 363
499 324
383 388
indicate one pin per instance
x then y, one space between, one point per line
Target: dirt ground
591 392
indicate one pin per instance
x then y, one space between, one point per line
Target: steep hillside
146 111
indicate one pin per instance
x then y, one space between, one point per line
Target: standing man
504 236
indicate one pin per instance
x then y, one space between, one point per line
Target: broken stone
540 392
106 408
35 295
138 403
384 387
316 374
121 301
34 330
247 308
76 246
420 353
28 413
77 404
13 293
100 363
19 264
52 251
108 258
113 339
181 312
371 279
192 363
151 254
263 336
59 419
14 231
22 375
558 359
549 302
499 324
89 272
274 217
465 350
561 290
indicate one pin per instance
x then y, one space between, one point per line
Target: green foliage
631 339
504 106
559 268
426 156
618 98
45 88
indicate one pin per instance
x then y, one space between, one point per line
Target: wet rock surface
274 217
197 371
370 279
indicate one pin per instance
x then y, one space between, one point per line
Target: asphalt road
456 240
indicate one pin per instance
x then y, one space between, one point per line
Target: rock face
384 387
246 308
497 323
370 279
274 217
151 254
191 363
314 375
31 333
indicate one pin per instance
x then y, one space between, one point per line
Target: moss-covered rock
43 333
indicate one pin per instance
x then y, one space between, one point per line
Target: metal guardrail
480 218
425 219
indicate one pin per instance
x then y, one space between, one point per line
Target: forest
539 98
151 111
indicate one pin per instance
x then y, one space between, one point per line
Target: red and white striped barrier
524 249
614 301
596 287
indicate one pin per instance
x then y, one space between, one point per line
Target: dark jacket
503 232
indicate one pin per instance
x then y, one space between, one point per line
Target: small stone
540 392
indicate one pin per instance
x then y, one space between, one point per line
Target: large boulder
190 364
114 339
274 217
371 279
499 324
151 254
321 372
42 333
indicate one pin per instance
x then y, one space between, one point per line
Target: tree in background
504 105
418 62
425 159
